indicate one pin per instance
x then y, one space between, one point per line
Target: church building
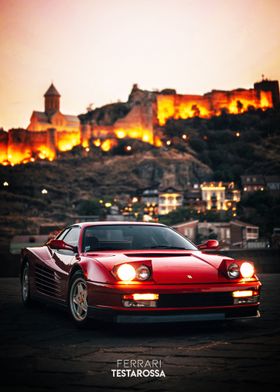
52 117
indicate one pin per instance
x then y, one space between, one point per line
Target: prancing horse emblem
189 276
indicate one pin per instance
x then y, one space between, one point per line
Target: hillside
232 145
220 148
74 178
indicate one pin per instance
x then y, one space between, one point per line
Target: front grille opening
194 300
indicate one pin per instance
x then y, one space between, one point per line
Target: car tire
25 285
77 299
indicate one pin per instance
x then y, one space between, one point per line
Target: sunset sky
94 50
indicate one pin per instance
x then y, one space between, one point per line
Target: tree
89 207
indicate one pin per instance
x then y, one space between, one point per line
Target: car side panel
49 272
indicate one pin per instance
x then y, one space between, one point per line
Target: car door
63 259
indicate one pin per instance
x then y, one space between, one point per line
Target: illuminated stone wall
22 146
136 119
213 103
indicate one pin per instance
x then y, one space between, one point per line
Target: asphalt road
42 351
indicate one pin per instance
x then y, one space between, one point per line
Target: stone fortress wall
139 118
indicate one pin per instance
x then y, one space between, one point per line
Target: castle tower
52 100
269 85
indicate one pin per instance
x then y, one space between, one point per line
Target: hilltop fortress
141 117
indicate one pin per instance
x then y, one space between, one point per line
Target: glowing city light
44 191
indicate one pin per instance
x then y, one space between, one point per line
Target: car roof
103 223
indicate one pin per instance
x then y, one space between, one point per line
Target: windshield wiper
166 247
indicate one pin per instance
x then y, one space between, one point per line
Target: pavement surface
42 351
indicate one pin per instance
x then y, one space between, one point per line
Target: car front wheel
77 299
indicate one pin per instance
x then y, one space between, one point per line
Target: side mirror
60 244
210 244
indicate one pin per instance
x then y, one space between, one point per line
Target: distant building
252 183
150 199
273 184
52 117
242 232
257 182
169 200
193 199
19 242
275 238
220 196
215 230
65 127
233 234
188 229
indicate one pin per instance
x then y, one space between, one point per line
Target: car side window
72 236
62 234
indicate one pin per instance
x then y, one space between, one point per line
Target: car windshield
133 237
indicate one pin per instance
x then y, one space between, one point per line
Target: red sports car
137 272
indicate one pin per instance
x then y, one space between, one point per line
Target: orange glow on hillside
97 143
18 156
108 144
24 155
135 132
45 153
67 140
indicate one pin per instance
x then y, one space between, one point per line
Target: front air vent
47 281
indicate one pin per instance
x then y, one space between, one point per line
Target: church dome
52 91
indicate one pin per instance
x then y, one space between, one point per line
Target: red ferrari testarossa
137 272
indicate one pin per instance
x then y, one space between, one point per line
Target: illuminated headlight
126 272
247 270
143 273
233 271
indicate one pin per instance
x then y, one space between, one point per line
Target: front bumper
143 317
177 303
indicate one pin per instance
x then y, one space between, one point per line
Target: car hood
170 267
